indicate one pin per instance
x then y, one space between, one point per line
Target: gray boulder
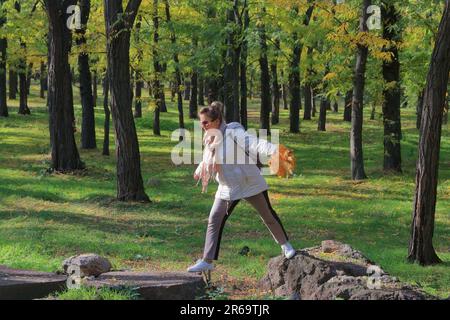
334 271
86 265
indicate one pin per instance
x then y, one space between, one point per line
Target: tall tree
266 101
231 67
176 60
421 248
391 92
308 86
43 80
107 115
88 139
276 93
22 70
158 70
356 148
294 75
243 65
193 102
3 45
139 80
130 186
65 155
12 83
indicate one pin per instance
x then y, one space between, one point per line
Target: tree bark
419 109
139 81
356 148
243 67
3 46
193 102
23 88
266 101
294 76
421 248
392 92
177 69
201 91
65 157
107 115
88 139
231 70
42 80
324 103
348 106
13 84
94 89
130 186
275 86
284 92
157 68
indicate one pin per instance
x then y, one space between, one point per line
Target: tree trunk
313 98
29 76
23 90
308 86
324 103
65 157
266 101
294 77
88 139
177 70
243 67
3 45
157 68
107 115
231 70
201 91
187 90
275 87
308 102
392 94
42 80
294 87
421 248
12 84
130 186
356 148
213 91
94 89
139 80
419 109
138 98
335 107
193 102
284 92
348 106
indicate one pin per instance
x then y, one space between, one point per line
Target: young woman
236 181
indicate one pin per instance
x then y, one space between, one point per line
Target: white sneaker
288 251
201 266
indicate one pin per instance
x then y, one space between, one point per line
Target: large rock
154 285
86 265
27 285
334 271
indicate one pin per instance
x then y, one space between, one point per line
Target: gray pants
221 211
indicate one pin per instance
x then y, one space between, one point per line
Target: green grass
46 218
90 293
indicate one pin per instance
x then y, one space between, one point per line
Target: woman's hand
196 177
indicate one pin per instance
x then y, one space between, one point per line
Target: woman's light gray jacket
239 176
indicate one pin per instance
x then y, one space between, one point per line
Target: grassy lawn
46 218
